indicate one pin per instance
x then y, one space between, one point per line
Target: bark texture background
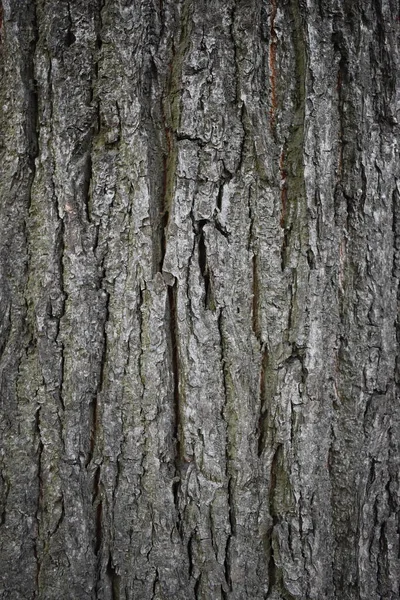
199 264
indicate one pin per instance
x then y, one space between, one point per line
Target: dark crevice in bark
222 229
235 52
32 126
176 490
393 484
383 573
287 220
159 147
196 589
299 354
189 548
330 459
304 553
292 304
209 302
273 575
246 144
263 416
173 325
219 196
230 483
169 166
225 178
69 36
396 233
32 145
5 490
275 467
5 320
283 187
155 586
60 249
311 259
203 254
232 525
99 39
94 404
94 429
256 299
86 185
251 243
285 248
98 508
372 473
93 421
175 366
114 578
40 496
396 274
284 211
141 335
214 539
279 482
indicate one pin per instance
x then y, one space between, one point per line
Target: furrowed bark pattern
199 263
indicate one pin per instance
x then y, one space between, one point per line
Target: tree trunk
199 264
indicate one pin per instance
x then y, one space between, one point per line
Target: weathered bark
199 263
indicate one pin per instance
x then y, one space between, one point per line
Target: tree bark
199 264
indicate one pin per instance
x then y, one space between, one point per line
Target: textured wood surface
199 286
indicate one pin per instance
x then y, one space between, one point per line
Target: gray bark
199 264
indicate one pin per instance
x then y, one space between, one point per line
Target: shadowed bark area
199 291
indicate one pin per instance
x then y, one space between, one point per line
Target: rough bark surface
199 264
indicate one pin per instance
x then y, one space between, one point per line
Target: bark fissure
114 579
229 474
209 302
32 136
98 509
263 419
177 400
256 299
273 571
40 496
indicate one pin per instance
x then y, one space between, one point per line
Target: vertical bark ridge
171 114
19 150
272 64
32 135
360 192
